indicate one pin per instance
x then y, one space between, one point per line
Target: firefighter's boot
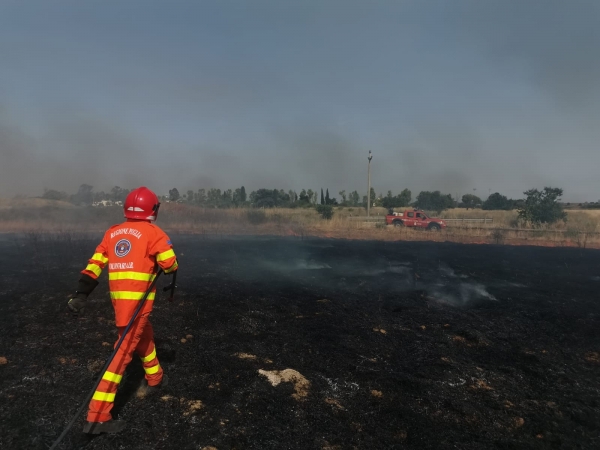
163 384
110 427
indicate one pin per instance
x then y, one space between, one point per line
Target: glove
77 304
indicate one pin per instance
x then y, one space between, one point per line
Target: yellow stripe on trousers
112 377
130 295
150 357
104 397
152 370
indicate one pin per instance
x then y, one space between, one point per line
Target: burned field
316 344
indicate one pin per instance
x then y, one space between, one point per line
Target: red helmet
141 203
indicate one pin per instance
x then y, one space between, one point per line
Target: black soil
404 345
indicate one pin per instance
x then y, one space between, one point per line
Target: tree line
279 198
537 206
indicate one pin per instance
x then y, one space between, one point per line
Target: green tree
434 201
293 196
51 194
269 198
389 200
239 196
470 201
303 197
200 197
322 197
400 200
543 206
84 196
99 196
174 195
226 199
213 198
190 196
373 198
354 198
497 201
236 197
404 197
116 194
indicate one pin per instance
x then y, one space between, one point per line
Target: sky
458 96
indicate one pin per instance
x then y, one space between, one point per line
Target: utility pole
369 186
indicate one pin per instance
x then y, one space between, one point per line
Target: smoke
70 153
555 44
456 98
440 283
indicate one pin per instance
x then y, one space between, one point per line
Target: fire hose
170 287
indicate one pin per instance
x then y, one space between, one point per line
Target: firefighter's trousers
139 340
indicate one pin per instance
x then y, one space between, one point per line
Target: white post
369 186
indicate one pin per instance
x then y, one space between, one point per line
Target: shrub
326 211
543 206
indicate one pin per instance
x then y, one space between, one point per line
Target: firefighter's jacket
132 251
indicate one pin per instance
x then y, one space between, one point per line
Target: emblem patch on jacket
122 248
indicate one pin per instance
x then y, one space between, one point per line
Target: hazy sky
450 95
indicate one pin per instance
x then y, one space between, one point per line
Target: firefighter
133 251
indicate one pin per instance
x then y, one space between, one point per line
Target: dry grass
582 228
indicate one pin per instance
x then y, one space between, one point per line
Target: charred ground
416 345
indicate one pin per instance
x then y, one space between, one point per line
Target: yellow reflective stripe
100 257
95 268
112 377
165 255
130 295
150 357
103 396
139 276
152 370
172 268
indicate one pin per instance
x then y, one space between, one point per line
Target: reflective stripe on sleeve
165 255
94 268
152 370
112 377
150 357
104 397
172 268
130 295
138 276
100 257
